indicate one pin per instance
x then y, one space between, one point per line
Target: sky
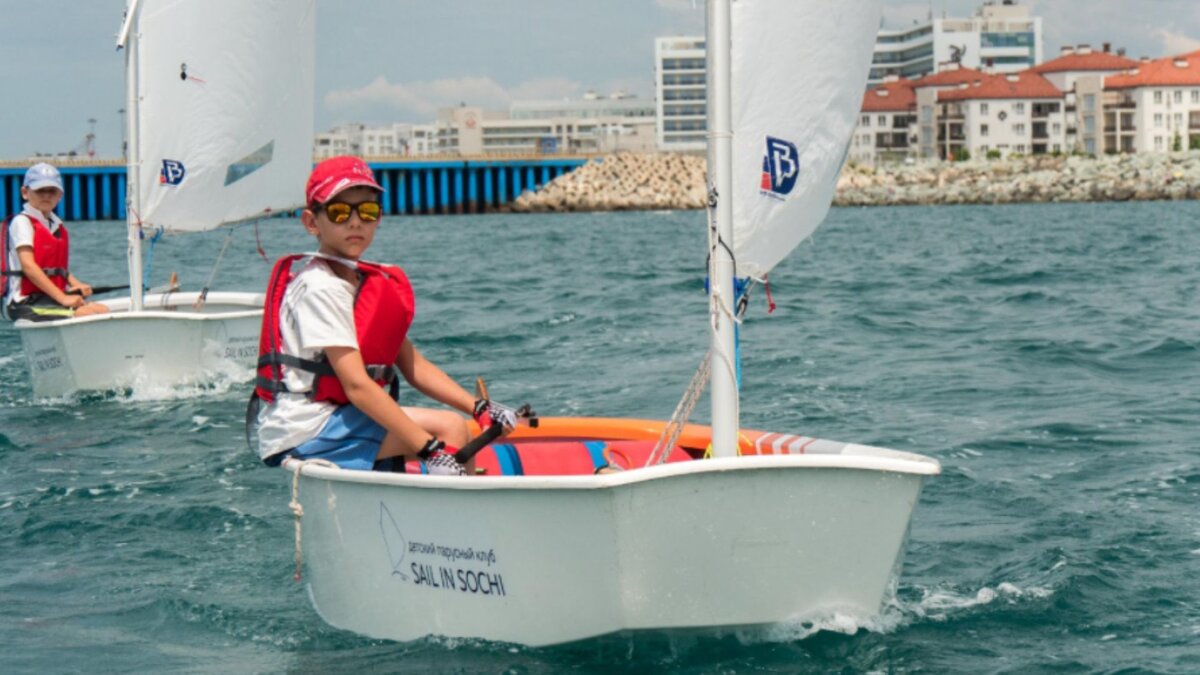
384 61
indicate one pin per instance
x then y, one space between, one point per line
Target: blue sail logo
781 167
172 172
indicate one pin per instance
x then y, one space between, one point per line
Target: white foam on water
934 605
219 380
939 605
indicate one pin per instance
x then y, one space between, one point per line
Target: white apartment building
1076 65
999 115
358 139
680 94
887 129
950 76
1153 107
591 125
1002 37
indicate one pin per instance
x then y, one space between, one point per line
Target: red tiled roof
1027 84
948 78
1159 73
890 96
1089 61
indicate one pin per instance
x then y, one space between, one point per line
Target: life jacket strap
315 366
383 373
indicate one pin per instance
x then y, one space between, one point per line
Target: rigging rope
294 505
149 254
718 305
683 412
213 274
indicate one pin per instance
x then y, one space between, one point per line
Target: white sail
224 117
799 70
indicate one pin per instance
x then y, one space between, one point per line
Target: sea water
1046 355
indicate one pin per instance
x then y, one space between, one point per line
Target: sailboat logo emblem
781 167
172 172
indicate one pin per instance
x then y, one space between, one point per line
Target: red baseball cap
336 174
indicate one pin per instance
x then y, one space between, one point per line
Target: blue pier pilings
464 186
91 192
413 187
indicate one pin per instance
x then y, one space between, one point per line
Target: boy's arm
37 277
83 288
366 395
428 379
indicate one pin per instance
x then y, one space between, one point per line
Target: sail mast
721 270
129 37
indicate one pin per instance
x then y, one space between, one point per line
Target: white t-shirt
20 233
317 312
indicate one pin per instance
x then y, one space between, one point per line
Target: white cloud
680 5
1176 43
543 89
898 15
420 101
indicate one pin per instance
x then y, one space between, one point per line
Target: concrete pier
95 190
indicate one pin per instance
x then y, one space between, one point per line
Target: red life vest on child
383 311
50 250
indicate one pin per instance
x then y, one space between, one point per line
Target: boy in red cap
332 330
35 251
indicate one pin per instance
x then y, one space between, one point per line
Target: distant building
680 93
930 132
1077 64
358 139
1152 107
1014 113
886 130
591 125
1085 101
1002 37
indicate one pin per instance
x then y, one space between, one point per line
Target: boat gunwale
923 467
184 300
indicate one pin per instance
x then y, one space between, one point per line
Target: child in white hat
38 284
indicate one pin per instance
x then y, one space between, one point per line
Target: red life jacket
383 311
50 250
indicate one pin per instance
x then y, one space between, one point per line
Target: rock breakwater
1041 178
623 182
629 181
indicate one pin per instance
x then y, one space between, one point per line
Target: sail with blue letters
798 71
223 111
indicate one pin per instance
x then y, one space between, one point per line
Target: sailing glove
487 413
439 459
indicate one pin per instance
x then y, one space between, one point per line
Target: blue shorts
349 439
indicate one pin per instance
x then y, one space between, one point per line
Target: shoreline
666 181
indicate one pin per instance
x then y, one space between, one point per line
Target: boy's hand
487 413
82 289
72 301
439 459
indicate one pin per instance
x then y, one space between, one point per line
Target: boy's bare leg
447 425
92 308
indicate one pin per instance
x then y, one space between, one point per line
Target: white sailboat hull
167 344
544 560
